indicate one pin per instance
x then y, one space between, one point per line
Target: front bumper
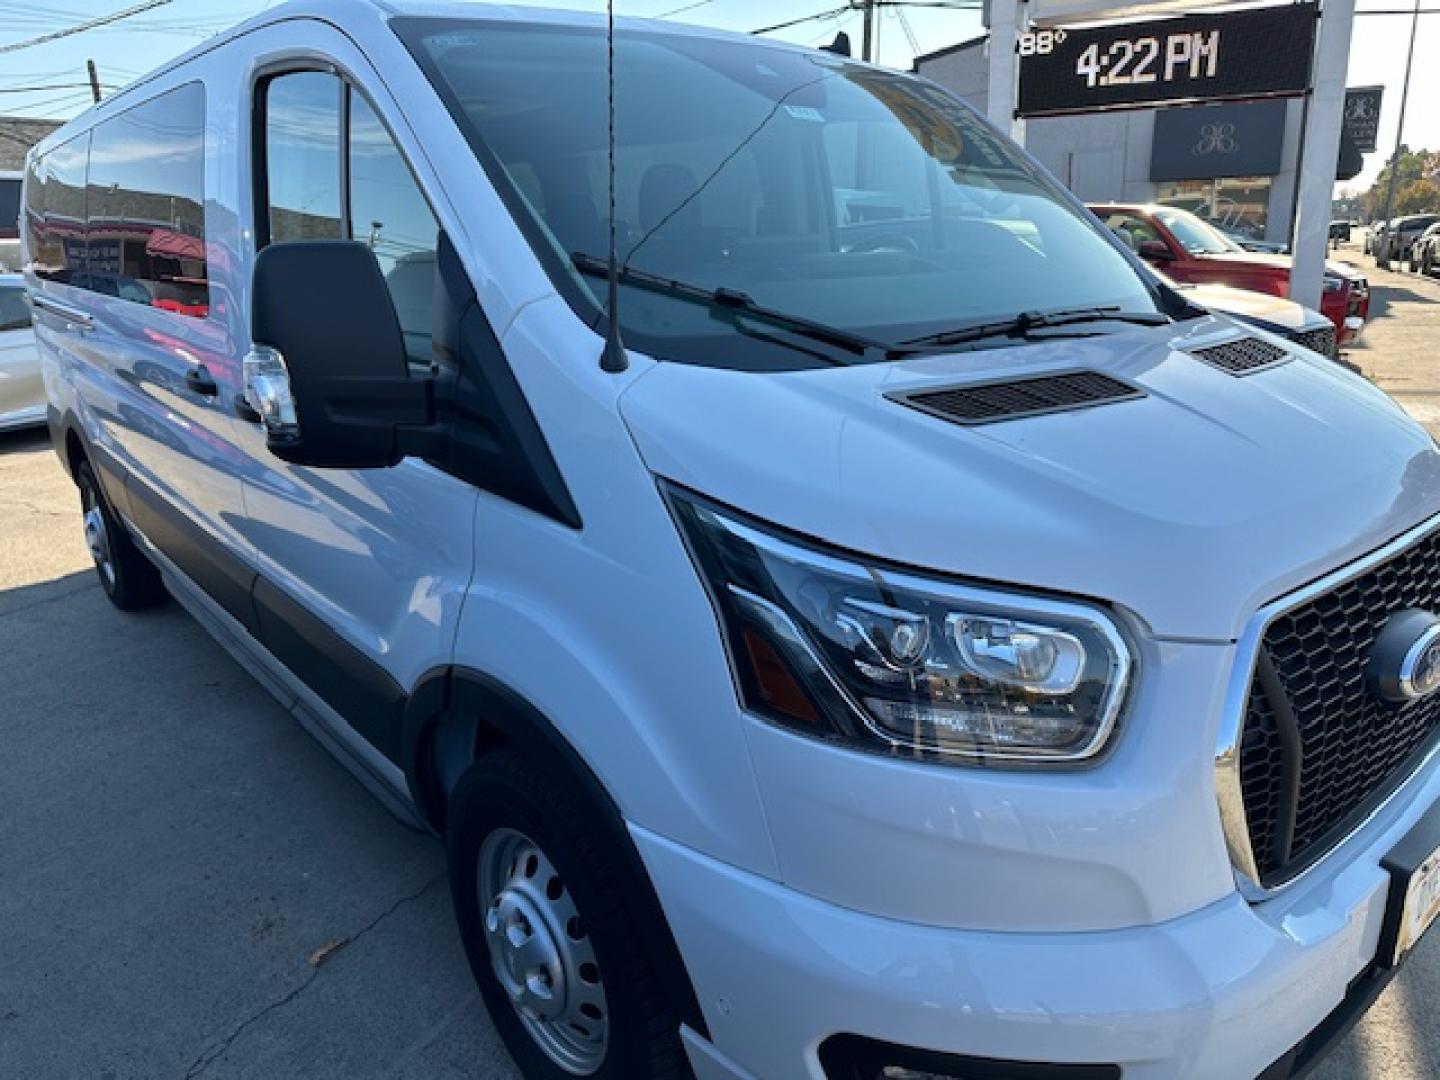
1229 991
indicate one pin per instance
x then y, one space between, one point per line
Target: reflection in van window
867 200
58 244
147 204
302 156
388 212
383 206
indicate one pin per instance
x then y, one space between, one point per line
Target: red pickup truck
1190 250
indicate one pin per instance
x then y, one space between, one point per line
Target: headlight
836 648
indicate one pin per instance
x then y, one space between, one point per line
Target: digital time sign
1256 52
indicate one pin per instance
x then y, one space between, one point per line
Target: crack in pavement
207 1058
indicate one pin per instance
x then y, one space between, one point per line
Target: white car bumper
1222 992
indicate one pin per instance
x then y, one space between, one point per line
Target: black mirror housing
324 307
1156 251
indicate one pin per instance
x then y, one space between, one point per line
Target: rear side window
332 171
146 207
58 250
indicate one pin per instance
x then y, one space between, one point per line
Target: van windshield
867 201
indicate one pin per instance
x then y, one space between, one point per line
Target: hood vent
1010 399
1243 356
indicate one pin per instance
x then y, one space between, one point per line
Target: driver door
362 572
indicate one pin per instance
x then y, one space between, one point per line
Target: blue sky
131 47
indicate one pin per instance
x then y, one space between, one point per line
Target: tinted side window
302 156
147 204
60 253
14 311
332 171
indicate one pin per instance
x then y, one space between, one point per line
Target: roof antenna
613 359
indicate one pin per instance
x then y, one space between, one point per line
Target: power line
953 5
51 86
681 10
832 13
80 28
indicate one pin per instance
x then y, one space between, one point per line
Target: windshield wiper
1021 324
723 301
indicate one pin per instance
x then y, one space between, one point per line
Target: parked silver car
22 396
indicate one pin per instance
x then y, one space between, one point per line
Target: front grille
1319 747
1320 340
1010 399
1243 356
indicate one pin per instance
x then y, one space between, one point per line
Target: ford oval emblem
1405 660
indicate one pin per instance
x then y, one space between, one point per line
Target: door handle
198 380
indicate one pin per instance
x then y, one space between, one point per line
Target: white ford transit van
918 645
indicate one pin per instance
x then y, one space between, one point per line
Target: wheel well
74 451
455 717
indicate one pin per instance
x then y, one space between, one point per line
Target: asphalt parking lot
189 886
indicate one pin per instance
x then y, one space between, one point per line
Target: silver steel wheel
97 537
540 952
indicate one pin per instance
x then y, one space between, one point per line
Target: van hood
1191 506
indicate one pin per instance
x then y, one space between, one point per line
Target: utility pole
1008 20
1383 259
1315 182
94 80
868 39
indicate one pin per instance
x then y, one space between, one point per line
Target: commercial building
1234 163
17 135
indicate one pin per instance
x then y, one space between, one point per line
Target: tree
1419 197
1415 167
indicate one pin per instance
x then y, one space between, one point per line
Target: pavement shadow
1382 296
23 441
20 598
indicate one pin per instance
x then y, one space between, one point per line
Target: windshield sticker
805 112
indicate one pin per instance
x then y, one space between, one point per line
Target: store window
1239 205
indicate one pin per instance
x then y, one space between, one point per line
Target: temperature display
1259 52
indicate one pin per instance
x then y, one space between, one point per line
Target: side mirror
1156 251
328 372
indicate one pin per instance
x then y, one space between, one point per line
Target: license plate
1421 907
1414 903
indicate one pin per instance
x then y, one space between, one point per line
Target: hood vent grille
1011 399
1243 356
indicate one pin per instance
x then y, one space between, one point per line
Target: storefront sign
1254 52
1208 141
1362 116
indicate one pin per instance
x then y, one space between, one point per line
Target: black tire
507 793
129 579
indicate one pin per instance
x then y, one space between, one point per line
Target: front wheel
552 928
